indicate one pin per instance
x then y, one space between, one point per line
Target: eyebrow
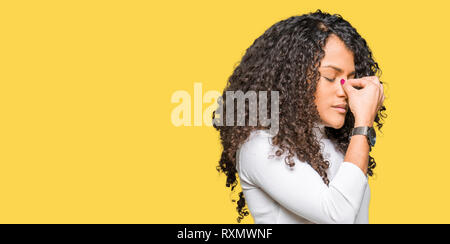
338 69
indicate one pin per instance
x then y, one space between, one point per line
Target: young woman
314 170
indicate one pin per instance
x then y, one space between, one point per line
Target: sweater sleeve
301 189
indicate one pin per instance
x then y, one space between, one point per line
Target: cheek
321 107
321 96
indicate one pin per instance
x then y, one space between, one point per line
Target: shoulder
257 162
258 144
254 154
257 151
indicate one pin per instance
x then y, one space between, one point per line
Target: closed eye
328 79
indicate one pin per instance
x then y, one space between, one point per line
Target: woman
313 170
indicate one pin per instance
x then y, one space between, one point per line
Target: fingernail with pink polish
342 81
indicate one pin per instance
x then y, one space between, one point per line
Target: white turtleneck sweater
276 193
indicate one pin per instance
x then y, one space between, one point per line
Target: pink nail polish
342 81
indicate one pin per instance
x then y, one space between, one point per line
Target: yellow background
85 88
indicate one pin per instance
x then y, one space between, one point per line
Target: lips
342 108
343 105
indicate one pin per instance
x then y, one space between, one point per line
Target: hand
365 102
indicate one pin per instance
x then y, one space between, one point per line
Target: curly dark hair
286 58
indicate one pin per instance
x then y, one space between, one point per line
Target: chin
335 124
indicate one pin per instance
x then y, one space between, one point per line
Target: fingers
375 80
357 82
348 88
350 84
382 98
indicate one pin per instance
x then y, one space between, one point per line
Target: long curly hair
286 58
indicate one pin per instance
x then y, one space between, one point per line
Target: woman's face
337 64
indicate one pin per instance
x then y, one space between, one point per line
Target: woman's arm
358 152
300 189
364 104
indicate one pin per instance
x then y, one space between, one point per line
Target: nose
340 89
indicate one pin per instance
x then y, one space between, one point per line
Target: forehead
337 54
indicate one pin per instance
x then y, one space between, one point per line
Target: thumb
348 88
